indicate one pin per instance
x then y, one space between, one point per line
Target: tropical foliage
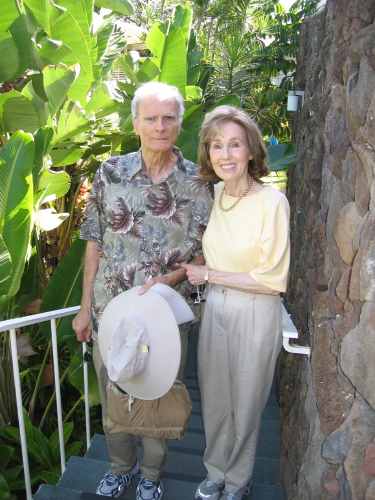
44 454
249 47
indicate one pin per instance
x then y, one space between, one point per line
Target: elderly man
145 215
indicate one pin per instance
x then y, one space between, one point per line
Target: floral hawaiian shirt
143 229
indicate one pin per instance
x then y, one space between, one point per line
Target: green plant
44 455
280 156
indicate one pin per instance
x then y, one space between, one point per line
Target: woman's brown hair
213 120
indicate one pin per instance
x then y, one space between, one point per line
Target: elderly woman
246 247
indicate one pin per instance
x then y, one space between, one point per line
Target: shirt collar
178 167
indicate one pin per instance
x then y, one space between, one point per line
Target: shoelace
147 483
247 491
232 496
112 478
127 479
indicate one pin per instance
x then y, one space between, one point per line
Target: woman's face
230 153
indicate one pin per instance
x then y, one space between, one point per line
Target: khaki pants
122 448
239 341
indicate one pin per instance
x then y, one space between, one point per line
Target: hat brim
165 342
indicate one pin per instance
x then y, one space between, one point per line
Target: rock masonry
327 426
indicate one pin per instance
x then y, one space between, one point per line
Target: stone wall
327 427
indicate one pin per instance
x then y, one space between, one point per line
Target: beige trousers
122 448
239 341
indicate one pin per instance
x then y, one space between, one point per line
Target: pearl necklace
238 200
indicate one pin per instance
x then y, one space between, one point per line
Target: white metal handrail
11 325
291 332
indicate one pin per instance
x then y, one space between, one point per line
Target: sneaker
149 490
208 490
236 496
112 485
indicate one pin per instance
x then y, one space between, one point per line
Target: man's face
158 125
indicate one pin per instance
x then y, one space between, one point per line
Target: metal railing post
86 392
58 394
21 421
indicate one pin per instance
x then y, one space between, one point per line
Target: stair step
265 492
48 492
173 490
271 413
266 471
182 457
98 449
268 447
269 428
83 474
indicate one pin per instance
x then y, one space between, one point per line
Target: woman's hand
195 274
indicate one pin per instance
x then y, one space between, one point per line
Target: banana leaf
122 6
75 33
51 52
57 82
173 67
64 289
9 57
127 64
280 156
9 13
21 38
16 208
19 113
52 185
182 19
29 290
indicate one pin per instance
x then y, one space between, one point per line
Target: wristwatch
207 275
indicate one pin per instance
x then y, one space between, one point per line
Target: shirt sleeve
274 253
91 229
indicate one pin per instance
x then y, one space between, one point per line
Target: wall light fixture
292 104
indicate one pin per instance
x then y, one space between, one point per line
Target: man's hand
171 279
174 277
82 325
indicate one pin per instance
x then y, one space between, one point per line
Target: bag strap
131 398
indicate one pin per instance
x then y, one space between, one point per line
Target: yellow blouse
253 237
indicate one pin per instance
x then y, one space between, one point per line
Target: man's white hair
158 89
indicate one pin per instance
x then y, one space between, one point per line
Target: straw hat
139 339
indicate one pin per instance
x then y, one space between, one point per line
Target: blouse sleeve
274 253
